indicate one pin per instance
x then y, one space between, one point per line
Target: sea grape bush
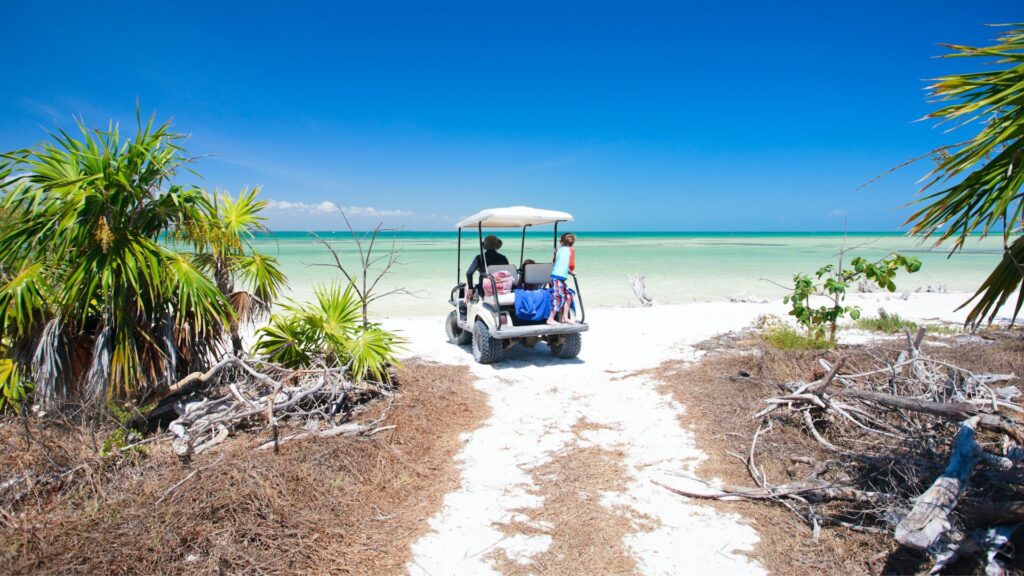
831 282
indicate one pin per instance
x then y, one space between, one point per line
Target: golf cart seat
503 299
536 274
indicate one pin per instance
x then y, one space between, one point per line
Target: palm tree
92 304
222 237
978 181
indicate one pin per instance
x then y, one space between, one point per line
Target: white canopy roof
514 217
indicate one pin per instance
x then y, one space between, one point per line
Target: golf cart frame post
522 253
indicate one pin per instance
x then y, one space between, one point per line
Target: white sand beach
537 400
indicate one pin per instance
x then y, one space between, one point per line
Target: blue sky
634 116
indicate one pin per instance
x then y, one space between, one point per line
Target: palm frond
262 273
329 329
13 388
1000 285
98 377
286 341
975 187
372 350
23 304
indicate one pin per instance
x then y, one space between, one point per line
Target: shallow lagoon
680 267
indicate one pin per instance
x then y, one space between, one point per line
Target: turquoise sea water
680 267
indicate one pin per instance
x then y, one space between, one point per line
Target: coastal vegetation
784 337
116 282
895 324
975 186
221 234
329 329
93 305
887 323
831 282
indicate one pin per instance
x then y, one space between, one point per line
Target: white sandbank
535 401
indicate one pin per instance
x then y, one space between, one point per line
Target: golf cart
489 321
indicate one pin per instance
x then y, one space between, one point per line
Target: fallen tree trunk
928 520
992 513
957 411
953 411
345 429
814 493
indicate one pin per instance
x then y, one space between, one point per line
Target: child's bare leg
551 318
567 311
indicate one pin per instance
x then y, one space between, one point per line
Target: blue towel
536 304
533 304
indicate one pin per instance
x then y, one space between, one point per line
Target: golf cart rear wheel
455 334
567 346
486 350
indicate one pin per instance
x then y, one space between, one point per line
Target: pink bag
503 279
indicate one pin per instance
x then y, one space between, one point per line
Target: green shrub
835 279
789 338
890 324
893 324
944 329
329 331
130 428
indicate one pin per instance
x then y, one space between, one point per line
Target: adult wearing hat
491 257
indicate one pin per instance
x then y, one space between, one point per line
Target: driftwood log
928 521
256 391
884 428
639 285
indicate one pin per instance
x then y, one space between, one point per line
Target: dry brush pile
348 504
909 444
250 393
202 410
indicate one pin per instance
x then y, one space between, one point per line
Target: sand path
537 401
553 420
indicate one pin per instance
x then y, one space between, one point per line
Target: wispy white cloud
41 109
328 207
838 213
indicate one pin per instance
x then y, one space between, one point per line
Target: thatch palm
91 303
986 171
329 330
222 236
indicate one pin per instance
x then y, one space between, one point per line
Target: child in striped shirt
565 263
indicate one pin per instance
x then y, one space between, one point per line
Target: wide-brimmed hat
492 242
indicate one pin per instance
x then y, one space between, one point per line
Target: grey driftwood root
639 285
929 520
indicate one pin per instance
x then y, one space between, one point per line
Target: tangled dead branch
885 419
244 393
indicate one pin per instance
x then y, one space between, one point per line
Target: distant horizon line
539 231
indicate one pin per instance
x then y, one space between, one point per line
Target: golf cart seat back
510 268
538 274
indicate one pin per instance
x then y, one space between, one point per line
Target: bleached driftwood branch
639 285
849 417
929 519
258 391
